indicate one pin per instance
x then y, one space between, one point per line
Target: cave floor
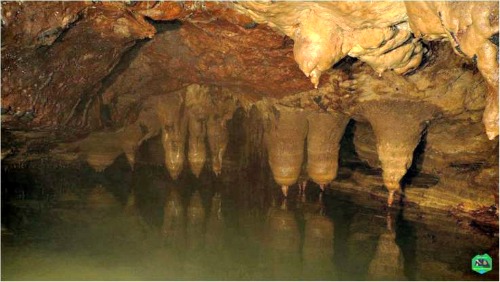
71 223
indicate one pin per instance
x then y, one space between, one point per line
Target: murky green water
75 224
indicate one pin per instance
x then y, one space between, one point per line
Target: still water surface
76 224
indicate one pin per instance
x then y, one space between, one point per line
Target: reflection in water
195 222
318 250
388 262
123 224
282 242
215 225
174 218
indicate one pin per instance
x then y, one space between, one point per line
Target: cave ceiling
124 72
63 61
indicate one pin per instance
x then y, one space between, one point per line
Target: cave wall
104 78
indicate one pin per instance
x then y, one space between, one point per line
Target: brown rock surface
123 68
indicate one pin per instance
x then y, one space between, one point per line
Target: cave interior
305 135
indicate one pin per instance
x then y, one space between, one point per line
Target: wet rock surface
94 82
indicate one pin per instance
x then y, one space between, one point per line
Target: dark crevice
467 167
60 37
494 39
164 26
348 157
414 176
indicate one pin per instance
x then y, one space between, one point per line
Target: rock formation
323 138
398 133
284 138
94 81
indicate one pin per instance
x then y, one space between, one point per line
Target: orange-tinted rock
60 82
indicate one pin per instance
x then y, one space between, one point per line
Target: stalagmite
197 106
174 130
323 137
284 137
398 126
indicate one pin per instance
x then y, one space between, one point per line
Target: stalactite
223 107
197 152
174 130
284 137
130 140
323 137
100 150
218 137
398 131
197 103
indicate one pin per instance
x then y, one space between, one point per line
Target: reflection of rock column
318 248
323 137
398 126
174 217
195 221
218 138
284 139
282 243
388 262
101 199
361 244
215 223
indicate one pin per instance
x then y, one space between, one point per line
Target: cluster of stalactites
196 116
387 36
355 29
190 115
286 131
398 127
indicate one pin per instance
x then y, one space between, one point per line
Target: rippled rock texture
94 81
